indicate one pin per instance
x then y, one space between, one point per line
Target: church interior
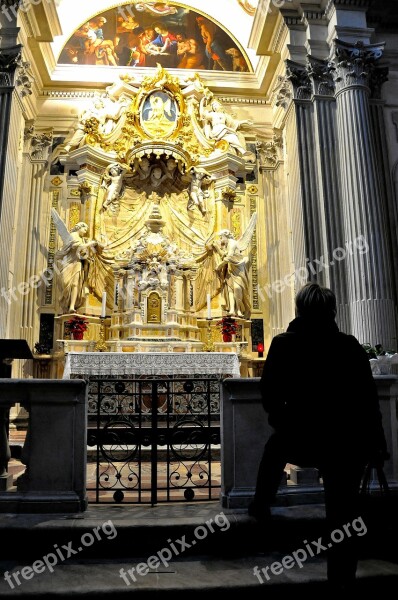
171 175
168 169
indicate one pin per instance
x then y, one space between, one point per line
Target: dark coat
319 392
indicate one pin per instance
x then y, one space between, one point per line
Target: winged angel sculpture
233 269
73 262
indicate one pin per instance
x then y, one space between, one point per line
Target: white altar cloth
151 363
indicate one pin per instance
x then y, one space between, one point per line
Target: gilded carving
154 216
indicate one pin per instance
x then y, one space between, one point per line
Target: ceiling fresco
150 33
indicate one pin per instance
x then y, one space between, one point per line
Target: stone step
121 578
194 548
201 528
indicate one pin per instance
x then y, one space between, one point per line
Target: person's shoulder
284 338
348 340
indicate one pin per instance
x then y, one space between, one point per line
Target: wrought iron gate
153 440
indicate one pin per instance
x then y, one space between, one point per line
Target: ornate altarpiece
155 190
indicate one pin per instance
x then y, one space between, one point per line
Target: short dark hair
316 302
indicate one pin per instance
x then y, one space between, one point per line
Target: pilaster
38 147
276 292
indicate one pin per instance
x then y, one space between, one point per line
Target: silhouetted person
321 399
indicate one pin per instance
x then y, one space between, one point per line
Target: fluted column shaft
330 208
35 259
9 58
8 151
369 274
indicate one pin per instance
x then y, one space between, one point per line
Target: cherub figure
73 262
197 194
113 184
158 176
142 169
233 270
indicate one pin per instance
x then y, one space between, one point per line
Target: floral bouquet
228 327
77 326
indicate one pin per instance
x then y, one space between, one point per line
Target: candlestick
208 306
209 345
101 345
103 307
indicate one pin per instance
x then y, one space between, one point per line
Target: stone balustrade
245 429
55 449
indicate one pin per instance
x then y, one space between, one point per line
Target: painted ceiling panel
143 34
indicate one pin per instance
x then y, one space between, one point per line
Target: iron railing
153 439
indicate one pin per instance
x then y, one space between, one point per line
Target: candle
208 306
260 349
103 307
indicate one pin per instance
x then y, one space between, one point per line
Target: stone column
330 205
369 272
377 112
315 242
9 59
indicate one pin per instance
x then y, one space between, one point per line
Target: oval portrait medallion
159 113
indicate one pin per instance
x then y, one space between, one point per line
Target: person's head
316 302
193 45
217 106
160 28
81 228
157 172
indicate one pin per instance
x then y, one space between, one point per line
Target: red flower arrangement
228 327
77 326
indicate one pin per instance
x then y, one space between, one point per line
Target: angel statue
218 125
73 263
233 270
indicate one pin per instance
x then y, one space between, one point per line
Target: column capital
9 60
354 63
269 151
40 144
378 77
297 74
320 76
